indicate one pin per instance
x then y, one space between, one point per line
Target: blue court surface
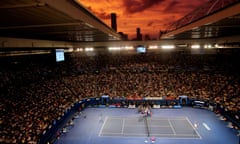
168 126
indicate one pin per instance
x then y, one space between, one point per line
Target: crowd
34 97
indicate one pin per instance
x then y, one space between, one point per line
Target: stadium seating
35 94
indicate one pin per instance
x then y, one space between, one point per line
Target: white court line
123 125
174 132
134 125
162 137
155 126
112 133
193 128
190 135
206 126
157 134
140 134
125 134
103 126
152 118
137 134
168 118
119 117
176 118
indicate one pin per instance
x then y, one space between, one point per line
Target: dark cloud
150 24
182 6
101 15
104 15
171 7
169 21
133 6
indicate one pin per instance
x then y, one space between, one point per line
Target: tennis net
146 124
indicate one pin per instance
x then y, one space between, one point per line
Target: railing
207 9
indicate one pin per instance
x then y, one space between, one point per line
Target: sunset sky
150 16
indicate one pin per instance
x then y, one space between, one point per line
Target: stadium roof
60 20
215 19
67 24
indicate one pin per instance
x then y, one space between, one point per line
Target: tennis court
167 127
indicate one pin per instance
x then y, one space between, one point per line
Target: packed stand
34 97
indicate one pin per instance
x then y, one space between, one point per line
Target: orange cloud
149 15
